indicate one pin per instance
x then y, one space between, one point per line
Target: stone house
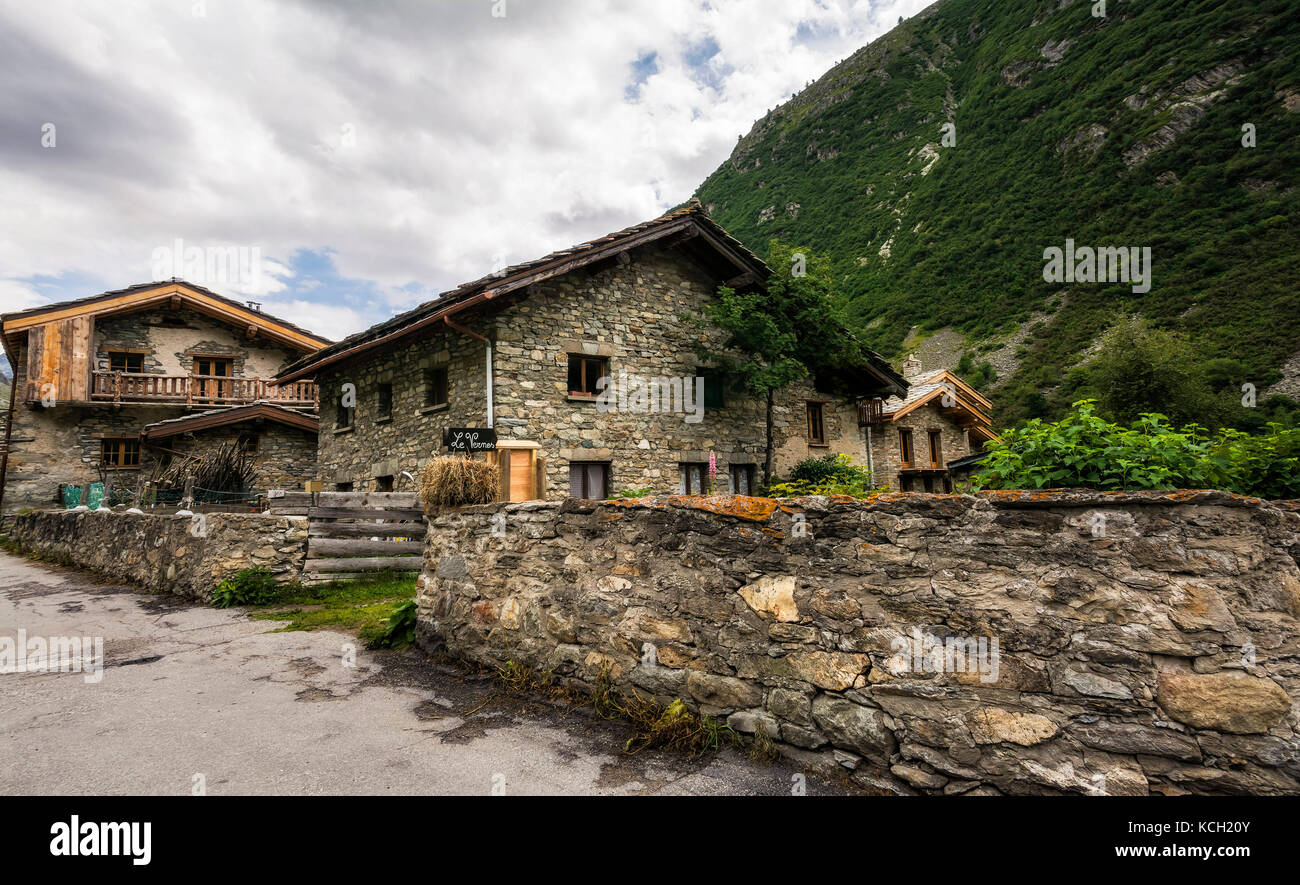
584 364
924 441
91 374
280 441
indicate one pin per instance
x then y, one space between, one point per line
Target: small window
714 388
693 479
584 373
589 480
342 486
384 409
119 453
346 414
816 425
383 483
905 447
248 444
742 479
122 361
435 387
936 448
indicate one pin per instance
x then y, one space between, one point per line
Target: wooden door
212 387
521 474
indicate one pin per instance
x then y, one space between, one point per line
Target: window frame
815 415
122 448
684 469
345 417
128 355
749 471
384 390
715 387
584 466
602 371
936 448
436 384
906 448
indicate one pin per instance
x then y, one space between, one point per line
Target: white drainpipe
490 418
871 466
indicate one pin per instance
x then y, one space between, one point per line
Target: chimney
912 368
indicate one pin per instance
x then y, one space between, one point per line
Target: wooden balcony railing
871 412
199 390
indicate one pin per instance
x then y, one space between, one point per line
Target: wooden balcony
201 391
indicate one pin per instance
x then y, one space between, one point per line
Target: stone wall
166 553
1088 643
631 315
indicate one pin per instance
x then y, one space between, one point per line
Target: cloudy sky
357 158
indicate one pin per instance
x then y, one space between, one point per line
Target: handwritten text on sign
470 439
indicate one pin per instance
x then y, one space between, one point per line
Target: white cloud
416 140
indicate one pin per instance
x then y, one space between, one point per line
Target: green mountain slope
1119 131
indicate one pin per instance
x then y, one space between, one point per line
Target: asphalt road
191 696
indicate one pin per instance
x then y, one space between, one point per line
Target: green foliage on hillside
1040 156
1083 450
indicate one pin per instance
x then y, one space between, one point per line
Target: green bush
252 586
400 629
629 494
1083 450
828 475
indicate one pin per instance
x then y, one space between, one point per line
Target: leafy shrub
828 475
455 482
252 586
1083 450
629 494
400 629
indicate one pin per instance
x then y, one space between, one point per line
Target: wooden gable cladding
58 360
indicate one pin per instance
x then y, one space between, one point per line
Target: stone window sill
342 430
387 419
429 410
817 445
575 398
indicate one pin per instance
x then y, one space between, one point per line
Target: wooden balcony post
117 387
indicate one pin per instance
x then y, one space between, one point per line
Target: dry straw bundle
455 482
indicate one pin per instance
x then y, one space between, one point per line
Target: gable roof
972 406
225 417
689 221
145 295
687 224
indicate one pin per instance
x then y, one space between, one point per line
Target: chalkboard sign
470 439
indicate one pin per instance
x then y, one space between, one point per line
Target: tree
1141 370
772 338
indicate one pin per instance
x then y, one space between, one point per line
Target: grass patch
364 607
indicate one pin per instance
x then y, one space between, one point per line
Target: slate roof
225 417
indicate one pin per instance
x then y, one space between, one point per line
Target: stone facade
886 448
61 444
189 556
1101 643
631 316
285 457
